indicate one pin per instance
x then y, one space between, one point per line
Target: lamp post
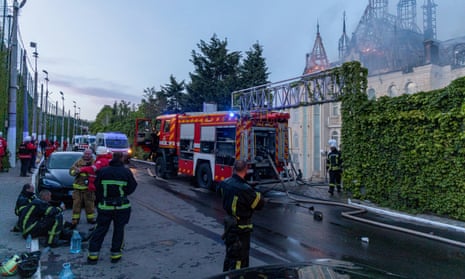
46 104
55 123
74 126
79 121
41 136
35 54
62 120
13 86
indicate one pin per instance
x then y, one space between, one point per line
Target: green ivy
406 152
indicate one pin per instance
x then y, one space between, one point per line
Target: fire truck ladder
306 90
316 88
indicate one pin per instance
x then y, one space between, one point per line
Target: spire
343 40
317 59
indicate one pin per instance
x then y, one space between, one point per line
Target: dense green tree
175 97
153 103
215 74
253 71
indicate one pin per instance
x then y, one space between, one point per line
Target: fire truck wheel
203 176
160 167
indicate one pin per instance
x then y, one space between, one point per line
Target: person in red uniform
3 146
25 154
65 145
102 160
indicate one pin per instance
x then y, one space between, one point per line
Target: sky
101 51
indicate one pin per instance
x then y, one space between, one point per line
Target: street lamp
62 120
74 130
79 120
46 103
34 107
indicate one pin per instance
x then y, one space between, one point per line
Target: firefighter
240 201
39 218
81 193
334 167
25 154
113 186
25 197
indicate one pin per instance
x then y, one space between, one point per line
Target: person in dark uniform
334 167
25 197
240 201
113 186
39 218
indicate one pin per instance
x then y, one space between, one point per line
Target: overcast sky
101 51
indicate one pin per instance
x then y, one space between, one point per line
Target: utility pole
34 107
46 104
39 131
62 120
13 87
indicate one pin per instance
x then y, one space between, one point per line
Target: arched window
393 91
411 88
371 94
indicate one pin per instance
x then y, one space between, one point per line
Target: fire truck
205 145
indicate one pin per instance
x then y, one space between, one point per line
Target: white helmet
27 138
101 150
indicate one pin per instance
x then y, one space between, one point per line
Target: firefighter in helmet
334 167
81 193
240 201
113 186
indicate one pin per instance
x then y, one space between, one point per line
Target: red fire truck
205 145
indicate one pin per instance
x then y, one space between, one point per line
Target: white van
113 141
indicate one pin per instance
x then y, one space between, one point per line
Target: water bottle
75 245
28 242
66 272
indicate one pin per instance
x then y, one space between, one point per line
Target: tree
153 104
253 71
215 75
174 95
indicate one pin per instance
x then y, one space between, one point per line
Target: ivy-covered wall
408 152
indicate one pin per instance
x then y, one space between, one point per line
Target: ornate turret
317 60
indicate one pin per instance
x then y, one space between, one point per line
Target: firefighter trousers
334 180
237 243
119 217
87 198
49 226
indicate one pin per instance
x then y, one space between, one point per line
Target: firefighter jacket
100 162
240 200
113 186
34 212
3 146
23 200
81 179
334 161
25 150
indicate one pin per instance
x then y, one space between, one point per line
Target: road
175 230
287 228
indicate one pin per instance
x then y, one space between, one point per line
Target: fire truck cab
206 145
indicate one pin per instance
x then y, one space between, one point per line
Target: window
335 109
166 128
371 94
393 91
411 88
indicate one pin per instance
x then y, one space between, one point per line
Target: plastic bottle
28 242
75 245
66 272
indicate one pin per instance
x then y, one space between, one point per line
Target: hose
356 210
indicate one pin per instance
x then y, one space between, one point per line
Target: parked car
54 176
318 268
